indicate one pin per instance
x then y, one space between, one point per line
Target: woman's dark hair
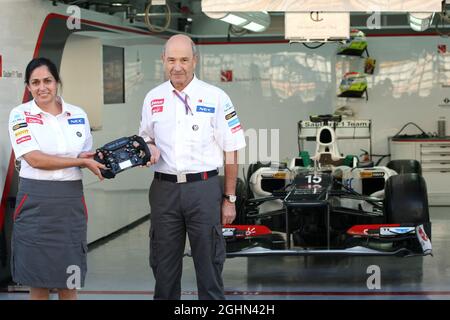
39 62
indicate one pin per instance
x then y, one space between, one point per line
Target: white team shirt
190 143
65 135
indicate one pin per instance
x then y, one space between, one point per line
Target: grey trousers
195 208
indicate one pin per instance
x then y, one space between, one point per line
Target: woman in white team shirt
52 139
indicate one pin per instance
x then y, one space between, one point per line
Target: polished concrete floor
118 269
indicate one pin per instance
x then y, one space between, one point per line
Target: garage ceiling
187 16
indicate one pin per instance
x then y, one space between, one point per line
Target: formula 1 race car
331 204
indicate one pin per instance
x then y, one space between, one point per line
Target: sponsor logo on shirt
28 114
76 121
235 129
21 132
156 102
20 125
233 122
34 120
205 109
23 139
228 106
230 115
206 103
157 109
13 122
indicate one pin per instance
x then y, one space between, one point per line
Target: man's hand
228 212
155 154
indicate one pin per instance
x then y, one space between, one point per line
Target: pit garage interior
277 77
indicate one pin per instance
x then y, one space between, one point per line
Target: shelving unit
354 54
434 157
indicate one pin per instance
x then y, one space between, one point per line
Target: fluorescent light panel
255 27
234 19
253 21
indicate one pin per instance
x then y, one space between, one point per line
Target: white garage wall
275 85
406 86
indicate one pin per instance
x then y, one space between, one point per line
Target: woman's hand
94 166
87 155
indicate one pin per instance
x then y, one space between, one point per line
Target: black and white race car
330 204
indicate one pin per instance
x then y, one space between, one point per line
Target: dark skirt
49 245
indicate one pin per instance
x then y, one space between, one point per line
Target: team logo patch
34 120
28 114
23 139
156 102
233 122
230 115
76 121
157 109
206 109
235 129
20 125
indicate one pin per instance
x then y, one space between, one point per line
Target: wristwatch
230 197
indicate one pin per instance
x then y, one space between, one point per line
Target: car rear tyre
405 166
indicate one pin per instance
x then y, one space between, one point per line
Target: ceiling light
420 21
255 27
234 19
253 21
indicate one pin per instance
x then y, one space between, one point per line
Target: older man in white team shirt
192 127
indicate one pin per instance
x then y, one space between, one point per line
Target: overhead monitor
317 26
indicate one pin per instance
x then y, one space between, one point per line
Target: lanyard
186 105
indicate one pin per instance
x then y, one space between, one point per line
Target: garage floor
119 269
